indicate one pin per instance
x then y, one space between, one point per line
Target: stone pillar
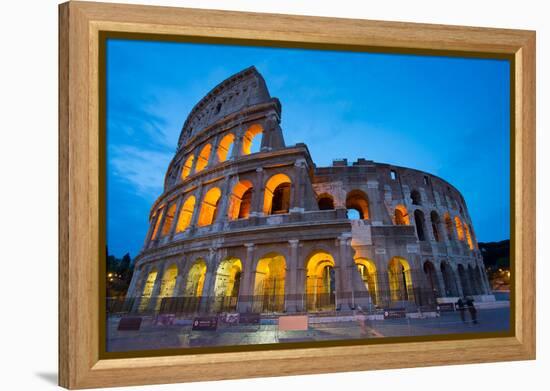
176 218
150 231
135 278
238 142
213 158
458 283
142 278
221 216
246 291
159 230
291 281
298 193
154 301
198 205
343 291
440 281
258 195
207 297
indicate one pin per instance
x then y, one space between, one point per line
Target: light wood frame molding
80 365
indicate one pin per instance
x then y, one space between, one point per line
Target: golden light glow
228 278
249 136
195 279
186 214
320 283
224 147
367 270
186 170
169 219
400 281
459 228
468 236
240 201
202 160
168 281
357 199
401 216
277 180
448 225
270 282
157 224
148 290
209 207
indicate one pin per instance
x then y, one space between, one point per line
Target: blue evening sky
446 116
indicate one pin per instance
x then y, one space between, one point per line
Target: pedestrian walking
472 309
461 309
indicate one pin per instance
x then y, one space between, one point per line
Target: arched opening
459 228
320 282
401 216
468 236
449 280
204 156
186 214
168 281
277 194
252 139
227 285
400 280
434 217
269 285
448 225
225 147
464 281
367 270
186 170
240 201
169 219
419 223
148 290
325 202
209 207
358 200
415 198
195 279
473 281
157 224
431 276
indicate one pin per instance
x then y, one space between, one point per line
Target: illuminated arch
249 139
400 280
325 201
358 200
320 281
240 200
169 219
186 170
269 284
186 214
157 224
277 194
209 207
448 225
204 156
401 216
459 228
168 281
225 146
148 289
468 236
434 219
227 285
367 270
195 279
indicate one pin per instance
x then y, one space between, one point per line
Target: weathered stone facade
267 231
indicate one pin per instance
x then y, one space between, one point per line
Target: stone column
238 142
159 230
154 301
246 291
345 288
176 217
291 280
297 196
213 158
150 230
207 297
221 216
458 283
440 281
198 205
258 195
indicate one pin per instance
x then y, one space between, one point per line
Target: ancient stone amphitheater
247 223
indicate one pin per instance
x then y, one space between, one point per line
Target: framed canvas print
329 194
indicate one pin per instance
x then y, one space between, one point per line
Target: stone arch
367 271
168 283
468 236
464 280
269 283
401 215
358 200
225 146
277 194
434 219
431 276
448 225
325 201
196 276
249 138
416 199
400 280
240 200
204 157
459 228
169 219
147 290
320 281
186 214
419 222
187 167
160 213
209 207
227 284
449 280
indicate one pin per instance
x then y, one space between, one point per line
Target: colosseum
250 224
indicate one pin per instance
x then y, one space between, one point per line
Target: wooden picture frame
80 24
